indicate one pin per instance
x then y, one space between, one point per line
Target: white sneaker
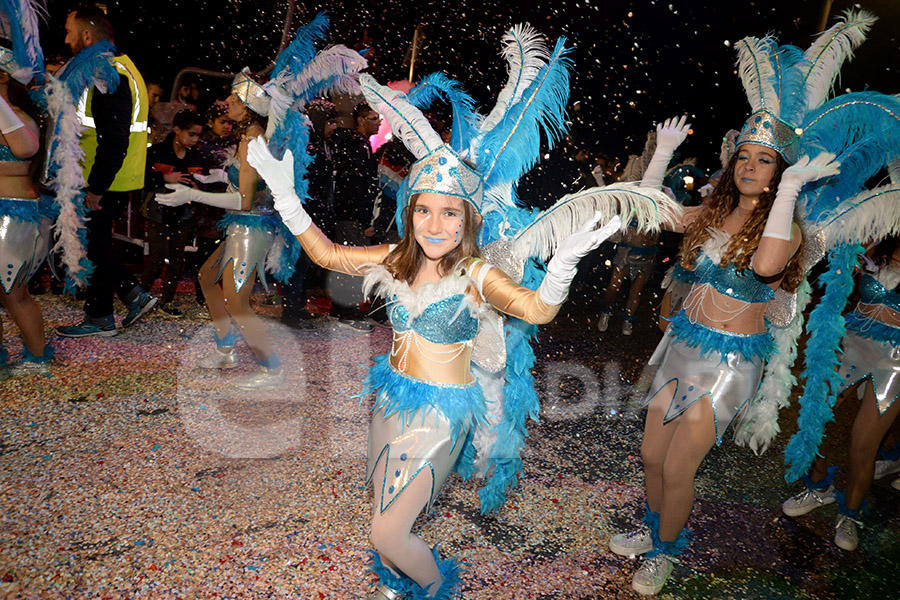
603 321
261 380
807 500
627 327
631 544
883 468
383 592
845 536
29 367
218 360
896 484
652 575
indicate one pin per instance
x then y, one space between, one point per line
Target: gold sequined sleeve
337 257
509 297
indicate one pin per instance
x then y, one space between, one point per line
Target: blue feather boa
450 570
872 329
822 377
752 347
464 406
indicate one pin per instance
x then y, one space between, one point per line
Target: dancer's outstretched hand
562 267
805 170
279 176
180 194
671 132
215 176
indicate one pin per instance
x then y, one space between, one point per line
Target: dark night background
636 61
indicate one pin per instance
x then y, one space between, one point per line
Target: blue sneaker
140 307
85 329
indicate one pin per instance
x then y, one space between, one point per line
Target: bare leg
238 305
212 292
392 533
612 289
655 445
26 314
688 446
868 429
634 293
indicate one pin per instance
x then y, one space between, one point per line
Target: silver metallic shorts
403 451
23 247
246 247
866 358
730 380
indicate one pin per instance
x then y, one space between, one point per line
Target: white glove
215 176
9 120
669 135
182 194
562 267
781 216
279 176
707 190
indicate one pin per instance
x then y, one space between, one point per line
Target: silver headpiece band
766 129
252 94
442 171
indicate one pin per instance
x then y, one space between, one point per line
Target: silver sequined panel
23 247
864 357
247 247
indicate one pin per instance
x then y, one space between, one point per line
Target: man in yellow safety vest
114 140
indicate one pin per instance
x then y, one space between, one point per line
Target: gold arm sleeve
510 298
337 257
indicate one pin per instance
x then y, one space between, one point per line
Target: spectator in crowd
114 141
354 199
174 160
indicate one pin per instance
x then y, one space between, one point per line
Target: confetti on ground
129 474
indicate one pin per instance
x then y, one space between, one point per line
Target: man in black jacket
114 141
356 187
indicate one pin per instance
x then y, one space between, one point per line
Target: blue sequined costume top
447 321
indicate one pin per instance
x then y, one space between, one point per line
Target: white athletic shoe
845 535
218 360
807 500
883 468
603 321
652 575
631 544
261 380
896 484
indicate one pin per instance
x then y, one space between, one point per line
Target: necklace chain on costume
876 312
696 302
403 343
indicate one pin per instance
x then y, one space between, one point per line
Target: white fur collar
715 244
379 282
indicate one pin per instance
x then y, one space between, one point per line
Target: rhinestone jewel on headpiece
766 129
442 171
252 94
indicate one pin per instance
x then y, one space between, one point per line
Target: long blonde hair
745 242
404 261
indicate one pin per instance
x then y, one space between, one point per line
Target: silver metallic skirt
23 247
404 450
866 358
246 248
730 380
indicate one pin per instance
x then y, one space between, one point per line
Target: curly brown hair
745 242
404 261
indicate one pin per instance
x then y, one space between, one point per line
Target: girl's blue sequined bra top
6 155
871 291
741 285
445 321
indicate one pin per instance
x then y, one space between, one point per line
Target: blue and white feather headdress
863 130
23 59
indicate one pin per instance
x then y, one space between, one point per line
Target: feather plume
757 68
332 71
871 214
649 207
465 119
728 146
302 49
830 50
758 423
526 53
509 149
407 122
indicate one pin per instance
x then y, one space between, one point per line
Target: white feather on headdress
871 214
830 50
525 51
629 201
407 122
727 148
756 71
